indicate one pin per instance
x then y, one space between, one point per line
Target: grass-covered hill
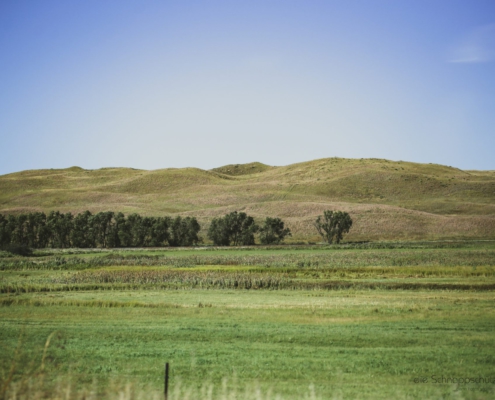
387 199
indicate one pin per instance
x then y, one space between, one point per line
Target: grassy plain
352 321
386 199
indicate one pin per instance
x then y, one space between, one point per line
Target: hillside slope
386 199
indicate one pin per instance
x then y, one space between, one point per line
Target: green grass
268 259
386 199
358 344
373 322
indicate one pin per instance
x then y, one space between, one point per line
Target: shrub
19 250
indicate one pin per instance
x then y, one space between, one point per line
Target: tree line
103 229
239 229
110 229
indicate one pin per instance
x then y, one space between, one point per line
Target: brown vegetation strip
289 285
82 303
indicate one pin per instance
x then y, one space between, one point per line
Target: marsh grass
444 269
314 258
7 302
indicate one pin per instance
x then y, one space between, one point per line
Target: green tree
82 235
60 227
332 225
273 231
234 228
124 230
38 230
101 224
146 228
218 232
184 231
10 227
31 227
137 230
19 234
113 238
42 231
159 231
4 231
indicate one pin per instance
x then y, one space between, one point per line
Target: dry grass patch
387 199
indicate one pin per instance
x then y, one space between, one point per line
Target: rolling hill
386 199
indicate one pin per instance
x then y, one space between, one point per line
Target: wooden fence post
166 381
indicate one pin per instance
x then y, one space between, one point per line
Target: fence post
166 381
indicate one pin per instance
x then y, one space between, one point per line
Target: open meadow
376 320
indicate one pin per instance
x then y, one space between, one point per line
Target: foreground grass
114 319
357 344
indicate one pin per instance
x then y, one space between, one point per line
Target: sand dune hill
387 199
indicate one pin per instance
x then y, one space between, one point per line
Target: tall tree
184 231
42 230
35 228
19 234
4 231
146 229
82 234
136 228
60 227
234 228
124 230
159 231
332 225
101 225
273 231
117 226
218 232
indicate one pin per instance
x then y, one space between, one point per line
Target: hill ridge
387 199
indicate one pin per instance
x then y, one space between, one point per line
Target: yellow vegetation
386 199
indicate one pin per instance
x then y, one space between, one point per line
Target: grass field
386 199
384 320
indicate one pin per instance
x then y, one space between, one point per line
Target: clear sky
158 84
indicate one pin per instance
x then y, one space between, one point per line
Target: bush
19 250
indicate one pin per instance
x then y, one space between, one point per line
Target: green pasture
394 331
285 249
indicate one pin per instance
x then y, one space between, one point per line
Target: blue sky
158 84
